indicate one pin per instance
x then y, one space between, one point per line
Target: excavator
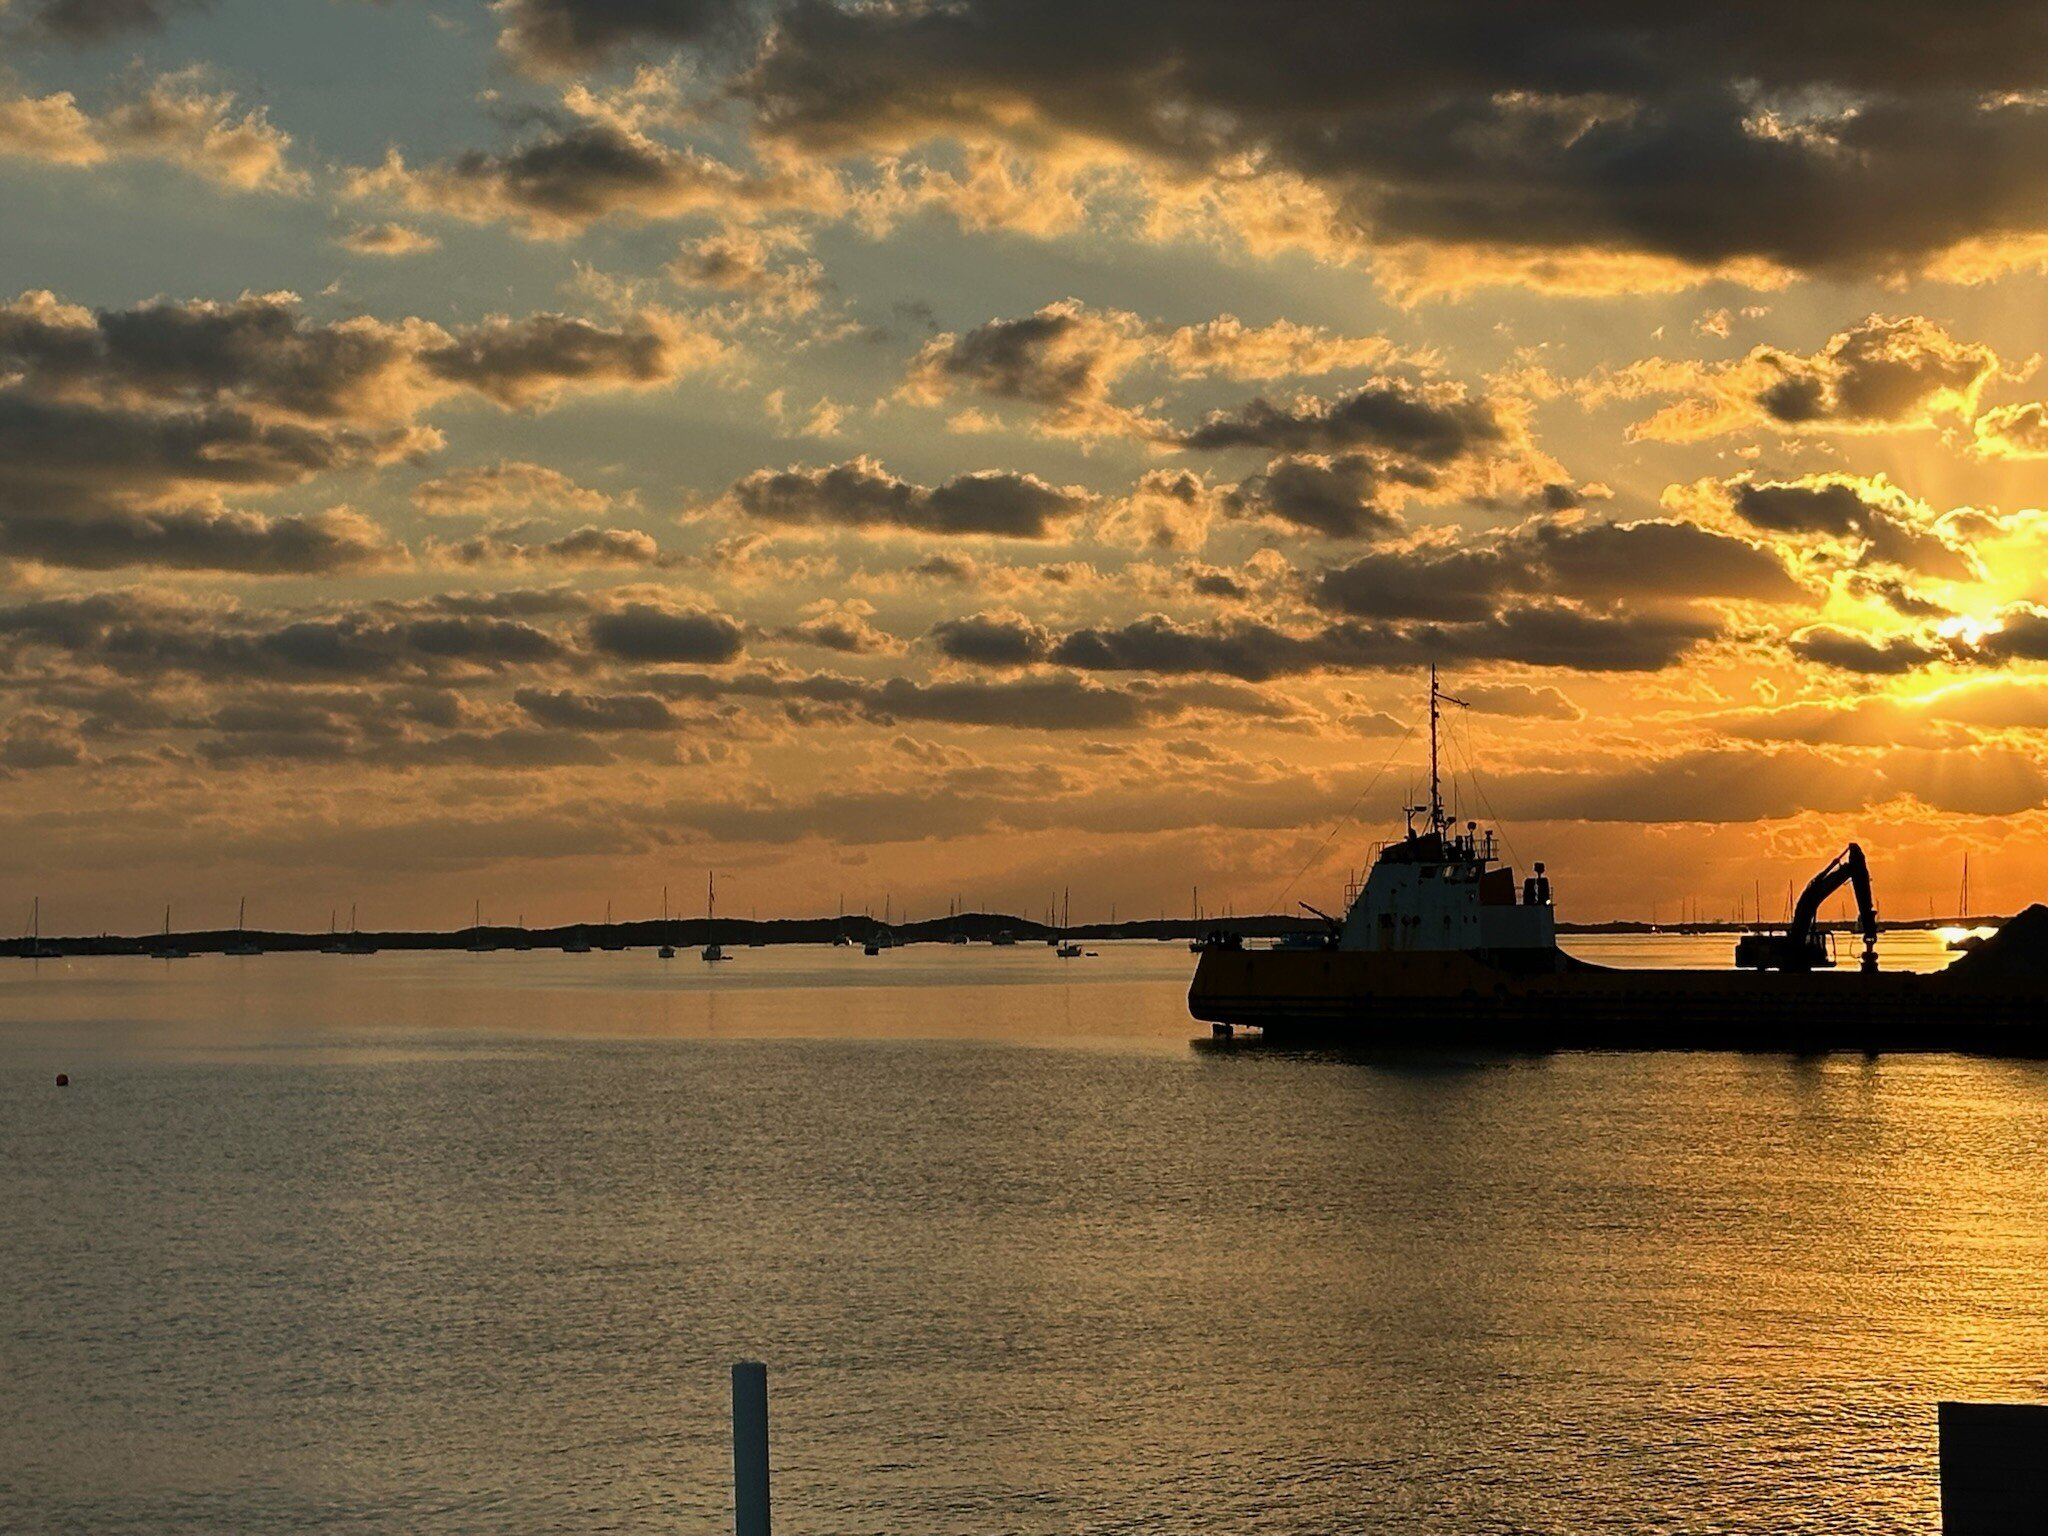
1803 946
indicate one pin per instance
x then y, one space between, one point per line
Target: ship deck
1420 1001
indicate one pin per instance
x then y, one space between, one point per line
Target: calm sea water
454 1243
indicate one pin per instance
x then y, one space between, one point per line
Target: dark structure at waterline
1992 1001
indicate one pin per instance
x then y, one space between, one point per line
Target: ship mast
1437 698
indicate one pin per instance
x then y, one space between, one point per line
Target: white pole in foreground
750 1449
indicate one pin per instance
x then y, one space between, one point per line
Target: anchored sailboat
242 944
165 948
713 950
478 944
1066 948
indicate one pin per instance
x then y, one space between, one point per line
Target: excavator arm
1794 951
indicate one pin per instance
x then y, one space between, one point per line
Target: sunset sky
536 451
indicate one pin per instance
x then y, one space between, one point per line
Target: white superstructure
1442 888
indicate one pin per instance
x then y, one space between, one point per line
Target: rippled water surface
455 1243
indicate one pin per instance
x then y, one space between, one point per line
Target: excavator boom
1799 947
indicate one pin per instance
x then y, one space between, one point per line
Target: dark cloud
590 546
1251 651
2021 635
1642 562
574 174
259 354
37 740
1062 360
99 21
485 642
59 451
991 640
1427 425
945 567
202 539
643 632
564 35
140 636
1212 581
1884 374
1837 136
1651 559
1041 702
512 748
844 628
1897 596
516 361
1873 655
862 494
255 351
1537 635
1881 371
566 710
1892 528
1452 586
1336 497
124 433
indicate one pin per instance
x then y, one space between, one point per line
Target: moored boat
1441 948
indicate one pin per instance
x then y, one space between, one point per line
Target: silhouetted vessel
713 950
480 943
1436 952
166 947
35 946
241 943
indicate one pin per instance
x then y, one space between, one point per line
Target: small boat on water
352 942
713 950
241 943
1063 946
166 948
1441 949
479 943
577 943
35 946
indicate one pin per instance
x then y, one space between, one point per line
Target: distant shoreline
692 933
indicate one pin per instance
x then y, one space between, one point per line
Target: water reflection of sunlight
1951 935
